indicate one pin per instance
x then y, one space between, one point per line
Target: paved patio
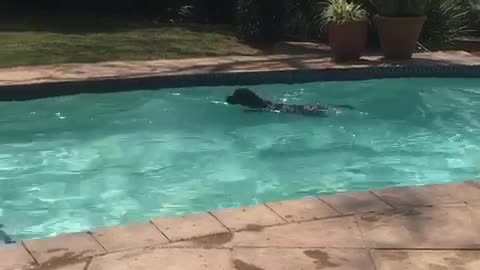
234 64
426 228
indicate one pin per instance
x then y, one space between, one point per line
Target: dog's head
246 97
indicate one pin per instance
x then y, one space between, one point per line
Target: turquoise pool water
80 162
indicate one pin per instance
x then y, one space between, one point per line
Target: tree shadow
323 60
415 210
76 24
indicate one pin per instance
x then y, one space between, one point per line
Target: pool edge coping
187 231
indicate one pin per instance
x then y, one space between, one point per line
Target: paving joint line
30 253
374 263
331 206
159 230
219 221
87 265
276 214
97 241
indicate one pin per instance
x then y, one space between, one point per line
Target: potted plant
347 24
399 25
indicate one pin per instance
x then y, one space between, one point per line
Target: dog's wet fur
247 98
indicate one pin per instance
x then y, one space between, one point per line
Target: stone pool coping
24 83
430 227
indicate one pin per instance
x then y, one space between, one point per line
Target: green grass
32 43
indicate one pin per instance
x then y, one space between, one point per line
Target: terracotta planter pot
399 36
348 41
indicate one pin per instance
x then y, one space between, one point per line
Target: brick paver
354 203
14 257
303 210
131 236
305 259
335 232
165 259
449 227
250 218
187 227
68 247
426 260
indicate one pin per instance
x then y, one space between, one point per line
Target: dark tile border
52 89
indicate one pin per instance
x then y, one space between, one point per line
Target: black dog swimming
247 98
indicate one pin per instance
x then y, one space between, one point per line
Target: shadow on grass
58 40
92 24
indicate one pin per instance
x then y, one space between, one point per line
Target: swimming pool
80 162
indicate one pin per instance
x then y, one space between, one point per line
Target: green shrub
219 11
260 22
474 18
343 11
447 21
401 8
303 19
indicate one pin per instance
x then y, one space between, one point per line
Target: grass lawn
33 43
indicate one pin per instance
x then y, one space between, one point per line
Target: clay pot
348 40
399 35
